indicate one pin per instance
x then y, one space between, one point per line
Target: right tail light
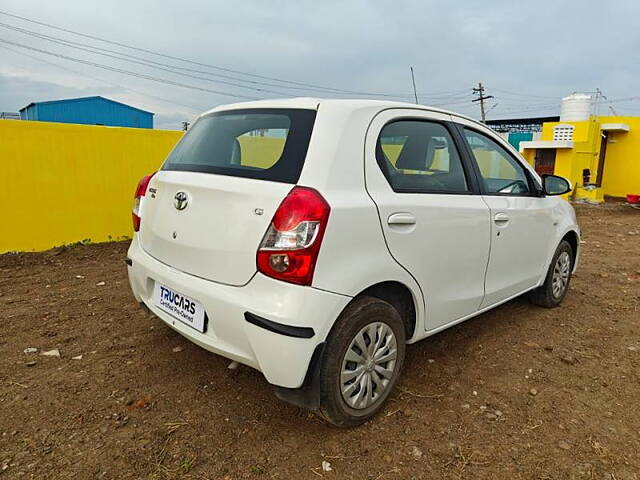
290 247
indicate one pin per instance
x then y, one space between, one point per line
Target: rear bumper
265 346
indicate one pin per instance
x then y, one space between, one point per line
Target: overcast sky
527 54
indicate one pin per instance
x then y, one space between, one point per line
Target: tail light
290 247
141 190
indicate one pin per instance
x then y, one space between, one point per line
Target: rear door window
420 156
268 144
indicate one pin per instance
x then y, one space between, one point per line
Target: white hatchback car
313 239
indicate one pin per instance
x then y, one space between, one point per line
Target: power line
147 63
512 112
216 67
127 72
158 65
523 94
67 69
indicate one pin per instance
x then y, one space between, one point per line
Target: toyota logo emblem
180 201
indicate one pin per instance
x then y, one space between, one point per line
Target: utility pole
413 80
185 126
481 98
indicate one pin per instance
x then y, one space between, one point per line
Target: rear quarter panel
354 255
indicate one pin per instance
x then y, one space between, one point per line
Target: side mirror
555 185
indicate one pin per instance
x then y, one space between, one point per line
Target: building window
563 132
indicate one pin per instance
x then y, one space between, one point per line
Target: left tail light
290 247
141 191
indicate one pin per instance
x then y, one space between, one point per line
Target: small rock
30 350
52 353
416 452
563 445
177 349
608 414
491 416
326 466
431 360
569 359
32 363
632 348
498 413
604 275
233 365
387 458
475 393
80 276
466 406
77 357
532 344
100 284
533 392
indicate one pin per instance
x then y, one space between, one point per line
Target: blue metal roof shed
88 111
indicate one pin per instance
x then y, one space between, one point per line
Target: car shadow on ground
431 366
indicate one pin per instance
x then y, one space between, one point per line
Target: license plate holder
184 309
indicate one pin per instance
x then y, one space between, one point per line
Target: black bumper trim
275 327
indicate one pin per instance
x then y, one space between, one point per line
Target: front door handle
401 219
501 219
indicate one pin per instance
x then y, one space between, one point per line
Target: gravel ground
519 392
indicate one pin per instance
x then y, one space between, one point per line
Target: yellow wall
64 183
622 160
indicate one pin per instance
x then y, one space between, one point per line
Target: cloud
532 50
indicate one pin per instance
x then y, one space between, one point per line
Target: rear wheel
551 293
362 361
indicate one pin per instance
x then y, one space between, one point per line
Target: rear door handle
401 219
501 219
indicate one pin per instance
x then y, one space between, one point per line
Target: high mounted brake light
141 190
289 249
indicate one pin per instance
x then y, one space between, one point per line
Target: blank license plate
179 306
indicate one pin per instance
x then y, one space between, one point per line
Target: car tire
355 382
556 284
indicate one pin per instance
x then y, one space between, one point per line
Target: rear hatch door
207 209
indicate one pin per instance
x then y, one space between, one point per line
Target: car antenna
413 81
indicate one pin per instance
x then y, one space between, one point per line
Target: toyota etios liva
313 239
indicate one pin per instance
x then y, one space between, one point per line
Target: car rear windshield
268 144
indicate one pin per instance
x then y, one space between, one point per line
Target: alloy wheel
368 366
561 272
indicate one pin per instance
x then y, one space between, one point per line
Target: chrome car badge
180 201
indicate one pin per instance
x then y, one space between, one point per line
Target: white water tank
575 108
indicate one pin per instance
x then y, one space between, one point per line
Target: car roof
312 103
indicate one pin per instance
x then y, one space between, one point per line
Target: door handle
501 219
401 219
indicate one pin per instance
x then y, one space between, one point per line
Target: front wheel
551 293
362 361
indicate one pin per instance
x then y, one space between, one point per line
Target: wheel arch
400 297
573 240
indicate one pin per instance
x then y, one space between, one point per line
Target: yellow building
599 155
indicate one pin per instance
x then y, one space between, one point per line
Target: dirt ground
519 392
